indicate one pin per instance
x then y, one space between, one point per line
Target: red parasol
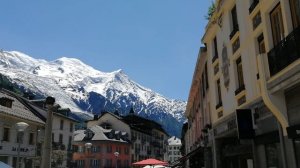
150 162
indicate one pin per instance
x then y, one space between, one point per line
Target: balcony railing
253 5
285 53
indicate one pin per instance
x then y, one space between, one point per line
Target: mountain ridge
82 88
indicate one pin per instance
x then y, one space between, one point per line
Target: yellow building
253 51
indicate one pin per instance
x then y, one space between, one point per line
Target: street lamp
88 146
21 127
117 155
46 156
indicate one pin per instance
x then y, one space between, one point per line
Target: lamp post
46 156
21 126
88 146
117 155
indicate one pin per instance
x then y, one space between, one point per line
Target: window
80 149
5 134
219 94
108 149
206 76
94 149
108 163
6 102
235 26
95 163
60 138
71 127
118 149
277 25
61 124
295 12
31 138
126 150
70 143
80 163
215 48
240 76
261 44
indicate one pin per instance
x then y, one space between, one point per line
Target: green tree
210 11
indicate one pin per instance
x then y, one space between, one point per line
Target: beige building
12 111
253 51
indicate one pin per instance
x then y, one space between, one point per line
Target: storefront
293 109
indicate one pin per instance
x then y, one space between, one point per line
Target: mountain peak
80 87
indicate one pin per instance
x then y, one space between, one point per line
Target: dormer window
89 134
106 125
6 102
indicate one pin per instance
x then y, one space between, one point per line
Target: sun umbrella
3 165
150 162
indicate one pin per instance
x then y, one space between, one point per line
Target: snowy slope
85 89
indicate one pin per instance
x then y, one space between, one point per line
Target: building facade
148 138
101 146
253 74
174 146
12 111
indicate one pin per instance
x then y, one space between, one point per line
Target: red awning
150 162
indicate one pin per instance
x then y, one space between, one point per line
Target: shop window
295 12
277 25
273 155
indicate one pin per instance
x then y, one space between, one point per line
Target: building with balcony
63 126
254 81
174 146
101 146
148 138
12 111
198 115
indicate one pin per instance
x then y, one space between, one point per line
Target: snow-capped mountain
85 89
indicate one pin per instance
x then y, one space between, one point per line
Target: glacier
84 89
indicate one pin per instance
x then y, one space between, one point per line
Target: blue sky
155 42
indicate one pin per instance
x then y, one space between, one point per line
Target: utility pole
46 156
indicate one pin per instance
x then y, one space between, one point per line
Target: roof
142 124
136 122
98 133
16 111
174 141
